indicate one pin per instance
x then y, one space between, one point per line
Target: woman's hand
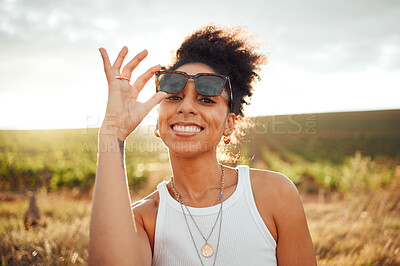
124 113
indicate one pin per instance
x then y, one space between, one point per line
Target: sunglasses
207 84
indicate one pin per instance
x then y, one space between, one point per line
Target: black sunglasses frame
194 77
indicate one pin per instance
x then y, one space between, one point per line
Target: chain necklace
177 196
207 250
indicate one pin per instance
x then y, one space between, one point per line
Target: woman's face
190 123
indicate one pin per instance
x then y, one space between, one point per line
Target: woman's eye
174 98
207 100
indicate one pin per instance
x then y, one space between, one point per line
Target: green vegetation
341 152
54 159
331 136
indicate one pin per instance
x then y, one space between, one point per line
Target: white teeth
187 129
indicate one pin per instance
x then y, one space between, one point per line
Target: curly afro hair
230 51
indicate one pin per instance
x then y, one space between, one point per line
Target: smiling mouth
186 129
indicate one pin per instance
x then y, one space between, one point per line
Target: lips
186 128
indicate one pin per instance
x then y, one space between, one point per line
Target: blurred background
326 114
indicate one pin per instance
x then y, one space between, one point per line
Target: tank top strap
244 173
162 191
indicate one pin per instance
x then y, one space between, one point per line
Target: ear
229 124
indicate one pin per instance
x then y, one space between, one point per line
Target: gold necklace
207 249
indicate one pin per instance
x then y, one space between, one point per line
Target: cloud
335 35
317 35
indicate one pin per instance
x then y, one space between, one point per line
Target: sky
324 56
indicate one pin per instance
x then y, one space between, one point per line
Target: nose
187 105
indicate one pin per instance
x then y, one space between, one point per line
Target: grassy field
64 240
346 166
354 230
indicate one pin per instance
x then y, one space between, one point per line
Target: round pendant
207 250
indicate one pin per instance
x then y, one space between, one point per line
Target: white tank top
245 239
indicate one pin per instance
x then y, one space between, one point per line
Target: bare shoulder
276 184
278 199
281 208
150 201
145 214
146 208
152 198
276 195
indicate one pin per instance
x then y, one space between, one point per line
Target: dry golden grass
362 229
64 240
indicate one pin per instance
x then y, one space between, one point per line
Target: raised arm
113 237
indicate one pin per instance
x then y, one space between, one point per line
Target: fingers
120 59
107 64
114 70
128 68
145 77
154 100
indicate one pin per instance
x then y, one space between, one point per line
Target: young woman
208 213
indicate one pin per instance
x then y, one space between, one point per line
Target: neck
197 180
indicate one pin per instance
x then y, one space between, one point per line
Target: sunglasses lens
210 85
171 82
